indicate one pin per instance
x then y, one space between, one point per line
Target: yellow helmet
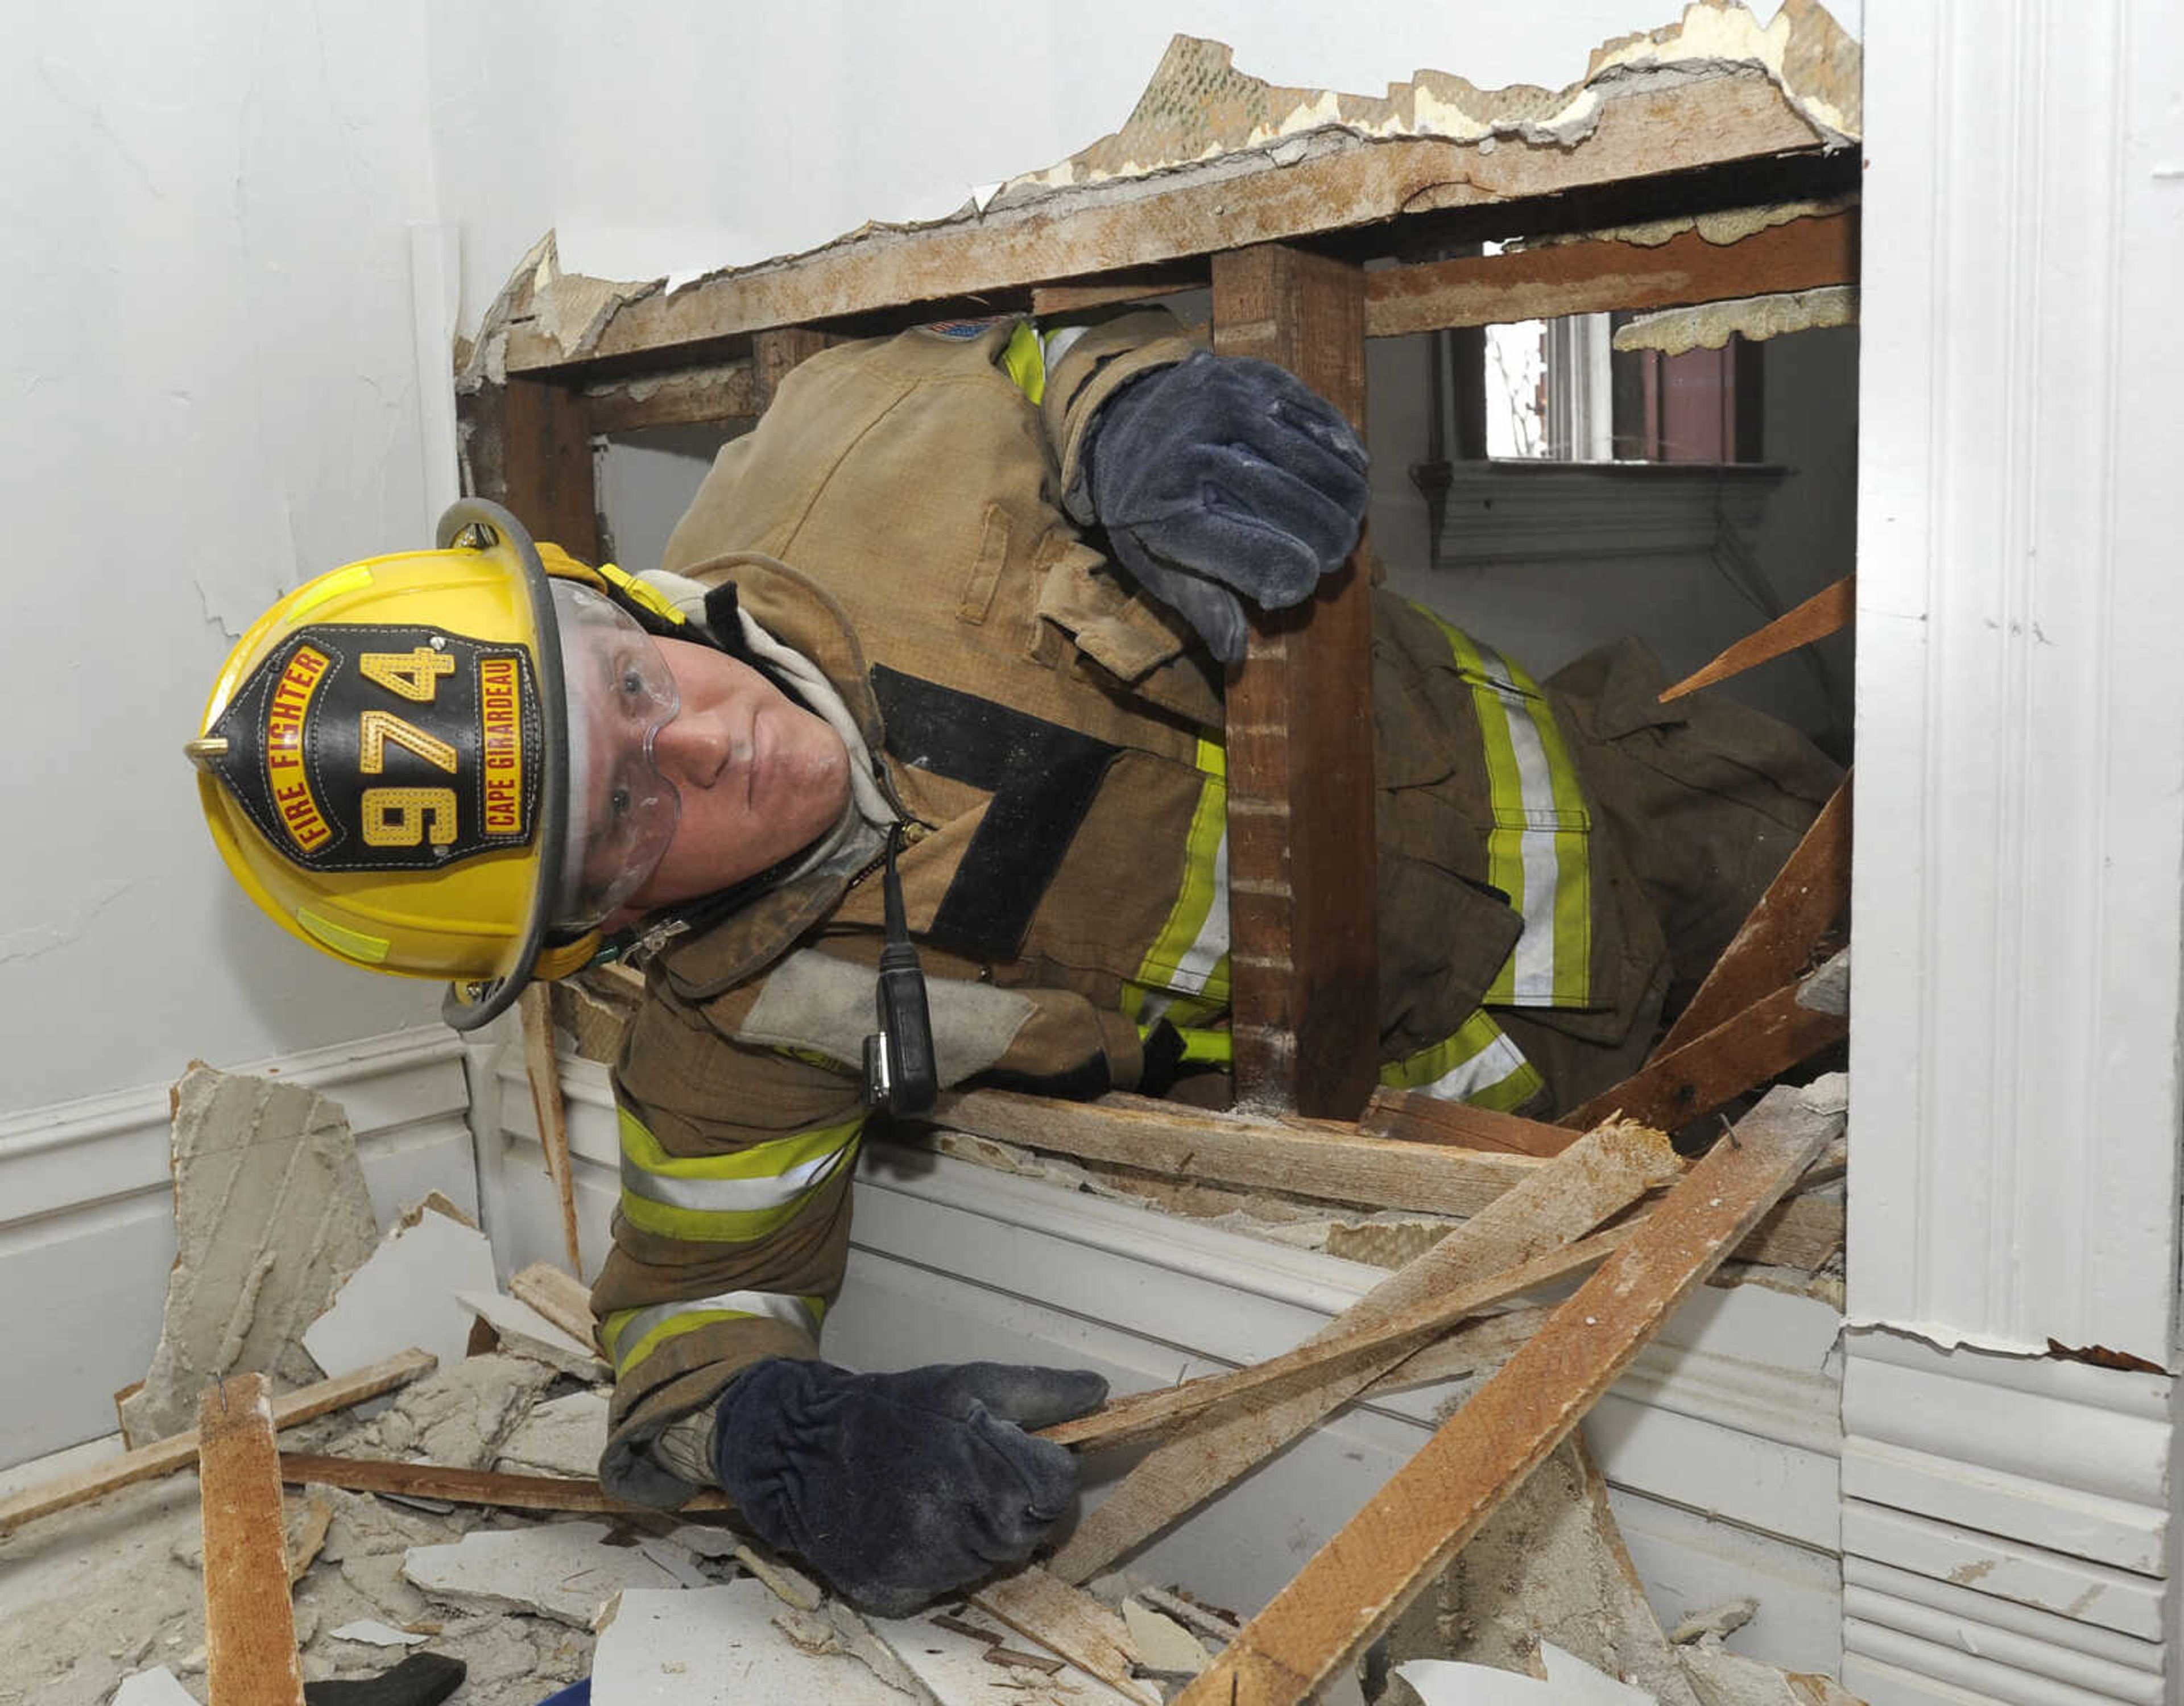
384 764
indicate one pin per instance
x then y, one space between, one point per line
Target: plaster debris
1198 105
787 1584
404 1295
462 1415
158 1686
563 1570
950 1661
368 1632
1548 1566
1710 324
721 1643
271 1214
564 1436
524 1332
1569 1682
1716 1623
1164 1644
1723 1678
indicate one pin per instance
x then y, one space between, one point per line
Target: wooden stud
1808 893
250 1622
1362 1579
1595 276
542 1065
468 1486
1640 134
1164 1410
1413 1116
546 465
1561 1201
1764 1040
1328 1162
774 352
165 1456
1828 611
1304 973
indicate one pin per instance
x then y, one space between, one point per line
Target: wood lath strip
1828 611
250 1620
1777 941
1742 1053
165 1456
1563 1200
1362 1579
1598 275
690 397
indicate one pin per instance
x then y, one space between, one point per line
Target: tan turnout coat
903 500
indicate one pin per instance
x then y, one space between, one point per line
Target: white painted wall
210 391
211 378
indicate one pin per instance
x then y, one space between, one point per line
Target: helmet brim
471 1004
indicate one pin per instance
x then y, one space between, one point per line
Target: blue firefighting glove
1221 476
898 1487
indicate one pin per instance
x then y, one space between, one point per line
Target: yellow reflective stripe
629 1335
1025 359
735 1198
1478 1064
1206 1048
1537 850
1189 959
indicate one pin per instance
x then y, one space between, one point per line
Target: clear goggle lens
622 812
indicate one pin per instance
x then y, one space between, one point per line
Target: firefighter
931 675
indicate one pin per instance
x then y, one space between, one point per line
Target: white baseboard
86 1217
2006 1526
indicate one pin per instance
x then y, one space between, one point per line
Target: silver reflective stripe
1499 1060
774 1306
1532 963
732 1196
1207 949
1054 345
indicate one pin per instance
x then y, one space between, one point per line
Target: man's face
758 777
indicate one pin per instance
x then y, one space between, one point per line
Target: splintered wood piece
1604 273
1413 1116
1363 1577
560 1298
1561 1201
543 1067
1767 1038
1304 961
1808 893
250 1624
697 396
1073 1623
1325 1160
468 1486
1148 1415
1827 611
1477 1347
165 1456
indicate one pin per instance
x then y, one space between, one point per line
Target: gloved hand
1222 475
899 1487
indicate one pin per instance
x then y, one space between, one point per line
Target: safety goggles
622 812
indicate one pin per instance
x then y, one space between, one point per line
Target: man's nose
693 748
